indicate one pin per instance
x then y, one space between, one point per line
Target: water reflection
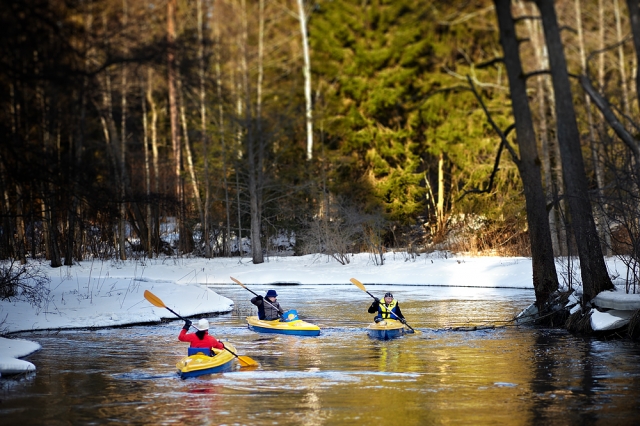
500 376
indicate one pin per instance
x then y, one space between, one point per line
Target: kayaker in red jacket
201 338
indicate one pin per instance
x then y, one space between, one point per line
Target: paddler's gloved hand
258 297
187 324
402 320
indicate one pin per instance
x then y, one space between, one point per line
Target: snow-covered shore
110 293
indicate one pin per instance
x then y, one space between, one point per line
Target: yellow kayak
296 327
199 364
386 329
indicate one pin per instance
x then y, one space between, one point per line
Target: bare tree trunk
621 60
595 277
147 169
203 131
123 151
20 229
187 148
440 203
260 64
254 153
548 143
599 214
238 87
307 78
221 128
174 119
545 279
634 18
155 224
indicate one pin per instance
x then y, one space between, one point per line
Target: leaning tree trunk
545 279
595 277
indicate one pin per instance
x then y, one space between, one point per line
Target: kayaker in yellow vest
268 311
386 309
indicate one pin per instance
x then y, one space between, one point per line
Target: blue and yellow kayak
295 327
386 329
200 363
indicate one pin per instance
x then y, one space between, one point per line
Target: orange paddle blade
358 284
246 361
155 300
237 282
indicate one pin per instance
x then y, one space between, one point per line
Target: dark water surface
506 375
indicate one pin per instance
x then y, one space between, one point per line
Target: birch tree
306 70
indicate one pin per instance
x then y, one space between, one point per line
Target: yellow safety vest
385 310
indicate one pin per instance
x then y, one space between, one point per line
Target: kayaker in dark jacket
387 309
201 338
268 311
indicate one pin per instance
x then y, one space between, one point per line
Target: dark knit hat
272 293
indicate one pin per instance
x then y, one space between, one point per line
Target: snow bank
10 350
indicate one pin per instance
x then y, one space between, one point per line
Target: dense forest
492 126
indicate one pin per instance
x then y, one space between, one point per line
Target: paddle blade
358 284
246 361
155 300
237 282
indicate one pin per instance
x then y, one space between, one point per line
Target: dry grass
633 329
579 323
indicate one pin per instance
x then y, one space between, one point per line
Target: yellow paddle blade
237 282
246 361
155 300
358 284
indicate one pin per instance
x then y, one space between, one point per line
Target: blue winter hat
272 293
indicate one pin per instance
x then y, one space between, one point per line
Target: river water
507 375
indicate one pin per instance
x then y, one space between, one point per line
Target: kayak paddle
362 287
244 360
264 298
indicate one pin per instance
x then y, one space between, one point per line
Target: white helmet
203 324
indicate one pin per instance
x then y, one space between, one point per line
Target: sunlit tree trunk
190 166
440 203
307 78
155 224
